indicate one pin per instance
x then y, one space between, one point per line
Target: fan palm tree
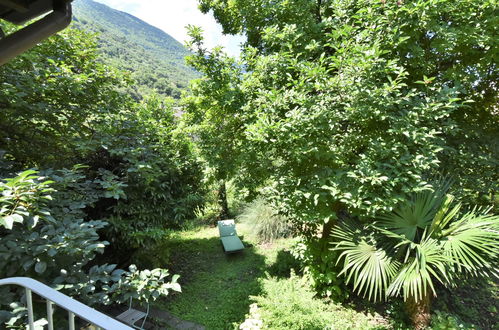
426 240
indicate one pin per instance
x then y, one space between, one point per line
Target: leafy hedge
45 236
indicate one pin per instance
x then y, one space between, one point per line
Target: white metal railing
55 297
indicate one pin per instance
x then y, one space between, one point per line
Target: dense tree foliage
136 178
452 43
53 97
350 107
66 108
154 160
212 113
338 116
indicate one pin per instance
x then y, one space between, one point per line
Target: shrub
425 241
267 225
445 321
45 235
144 285
147 152
322 269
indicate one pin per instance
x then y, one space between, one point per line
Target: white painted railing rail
55 297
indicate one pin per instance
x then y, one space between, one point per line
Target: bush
45 234
163 178
429 239
291 304
322 269
267 225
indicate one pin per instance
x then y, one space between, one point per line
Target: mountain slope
155 59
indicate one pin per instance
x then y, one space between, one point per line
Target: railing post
29 303
71 321
50 315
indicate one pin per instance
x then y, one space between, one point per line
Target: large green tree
213 113
350 106
61 106
452 42
53 96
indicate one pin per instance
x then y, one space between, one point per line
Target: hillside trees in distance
154 59
350 107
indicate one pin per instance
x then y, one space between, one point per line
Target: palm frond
417 213
415 277
411 216
444 215
473 242
366 264
422 242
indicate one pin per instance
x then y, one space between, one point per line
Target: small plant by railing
74 308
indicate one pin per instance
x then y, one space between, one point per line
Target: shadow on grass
215 286
285 262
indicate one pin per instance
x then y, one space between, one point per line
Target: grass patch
217 289
215 286
290 304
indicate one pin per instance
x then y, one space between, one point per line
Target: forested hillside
155 59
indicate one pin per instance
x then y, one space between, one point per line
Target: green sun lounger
228 236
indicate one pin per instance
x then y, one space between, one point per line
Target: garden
355 143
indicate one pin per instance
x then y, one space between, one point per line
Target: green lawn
216 287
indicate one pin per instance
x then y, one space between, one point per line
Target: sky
172 16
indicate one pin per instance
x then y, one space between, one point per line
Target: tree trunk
326 231
222 201
419 311
328 226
